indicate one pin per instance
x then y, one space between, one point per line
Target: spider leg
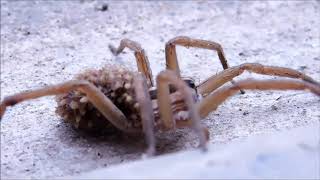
213 100
146 112
171 54
141 58
163 80
221 78
95 96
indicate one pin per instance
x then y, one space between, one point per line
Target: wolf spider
116 98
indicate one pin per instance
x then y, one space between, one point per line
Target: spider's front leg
141 57
146 112
171 53
212 101
94 95
163 94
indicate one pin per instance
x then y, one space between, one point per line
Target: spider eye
190 83
153 93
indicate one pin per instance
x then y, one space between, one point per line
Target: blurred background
48 42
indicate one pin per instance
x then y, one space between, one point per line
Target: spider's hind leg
212 101
227 75
94 95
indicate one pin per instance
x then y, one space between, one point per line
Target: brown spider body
117 84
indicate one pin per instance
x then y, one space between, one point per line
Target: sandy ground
46 43
264 156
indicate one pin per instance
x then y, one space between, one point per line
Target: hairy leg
171 54
146 112
95 96
163 80
141 58
212 101
227 75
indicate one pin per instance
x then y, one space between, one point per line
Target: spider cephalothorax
114 98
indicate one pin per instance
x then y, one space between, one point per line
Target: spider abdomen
117 84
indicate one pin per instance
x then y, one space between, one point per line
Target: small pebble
102 7
273 107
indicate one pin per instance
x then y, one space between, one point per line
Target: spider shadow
122 145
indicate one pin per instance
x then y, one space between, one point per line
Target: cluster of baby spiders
113 98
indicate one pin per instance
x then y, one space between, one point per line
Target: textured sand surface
46 43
